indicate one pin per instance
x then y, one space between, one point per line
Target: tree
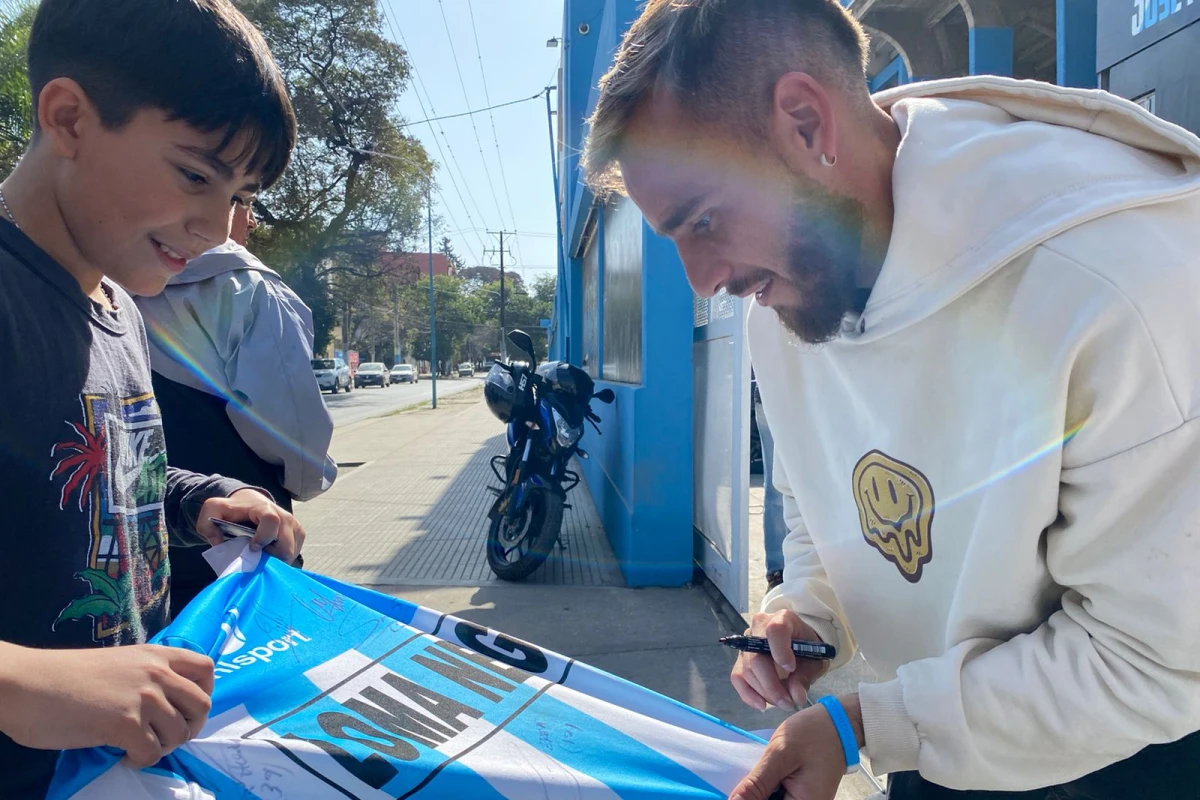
479 277
543 290
458 317
468 315
338 207
16 107
362 303
446 248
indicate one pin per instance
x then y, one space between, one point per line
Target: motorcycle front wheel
516 547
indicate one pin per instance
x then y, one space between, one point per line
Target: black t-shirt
88 499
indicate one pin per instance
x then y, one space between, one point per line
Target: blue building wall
1076 43
991 51
640 470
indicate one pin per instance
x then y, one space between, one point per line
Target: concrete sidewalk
414 510
409 519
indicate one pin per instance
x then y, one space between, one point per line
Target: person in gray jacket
231 350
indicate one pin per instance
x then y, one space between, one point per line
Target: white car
404 373
372 373
466 369
332 374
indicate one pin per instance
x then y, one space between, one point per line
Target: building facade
624 310
624 313
1148 51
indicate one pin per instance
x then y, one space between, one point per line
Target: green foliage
16 106
338 208
446 248
543 291
468 316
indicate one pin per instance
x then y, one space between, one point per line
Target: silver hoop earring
826 161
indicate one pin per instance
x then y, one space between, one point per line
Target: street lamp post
561 315
432 300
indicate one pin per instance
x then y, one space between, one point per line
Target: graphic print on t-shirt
114 467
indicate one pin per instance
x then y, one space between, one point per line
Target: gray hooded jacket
228 326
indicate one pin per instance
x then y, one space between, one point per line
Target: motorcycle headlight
566 434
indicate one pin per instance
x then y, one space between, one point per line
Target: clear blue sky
519 196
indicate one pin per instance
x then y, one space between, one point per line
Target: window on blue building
622 277
590 352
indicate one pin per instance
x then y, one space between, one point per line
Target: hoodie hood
228 257
989 168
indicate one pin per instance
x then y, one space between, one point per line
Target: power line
450 163
488 109
441 198
462 83
495 139
396 34
530 234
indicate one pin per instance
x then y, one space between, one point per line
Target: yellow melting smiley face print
895 509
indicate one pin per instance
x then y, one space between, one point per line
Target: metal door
721 427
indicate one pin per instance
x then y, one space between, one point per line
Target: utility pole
432 302
396 357
501 251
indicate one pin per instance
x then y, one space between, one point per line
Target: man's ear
802 125
65 116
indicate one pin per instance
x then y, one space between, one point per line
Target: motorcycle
545 408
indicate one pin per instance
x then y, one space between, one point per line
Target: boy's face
139 202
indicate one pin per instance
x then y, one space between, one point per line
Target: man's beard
824 258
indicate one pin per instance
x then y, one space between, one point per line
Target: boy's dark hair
200 61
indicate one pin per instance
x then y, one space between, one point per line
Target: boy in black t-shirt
153 119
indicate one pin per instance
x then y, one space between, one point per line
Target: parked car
372 373
332 374
466 369
404 373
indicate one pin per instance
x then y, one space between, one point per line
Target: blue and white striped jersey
326 690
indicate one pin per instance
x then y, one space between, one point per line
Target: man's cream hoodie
992 477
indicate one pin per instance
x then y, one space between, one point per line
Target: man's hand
144 699
778 679
804 756
279 533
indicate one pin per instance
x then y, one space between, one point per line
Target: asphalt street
371 401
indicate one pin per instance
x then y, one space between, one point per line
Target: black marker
814 651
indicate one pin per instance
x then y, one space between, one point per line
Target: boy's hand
144 699
279 533
778 679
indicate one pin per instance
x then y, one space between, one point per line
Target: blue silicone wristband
845 730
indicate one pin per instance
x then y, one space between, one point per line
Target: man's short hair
720 60
199 61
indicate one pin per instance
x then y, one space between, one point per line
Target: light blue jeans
774 529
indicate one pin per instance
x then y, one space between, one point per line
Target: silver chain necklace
8 210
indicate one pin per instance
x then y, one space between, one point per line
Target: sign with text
1125 27
325 690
